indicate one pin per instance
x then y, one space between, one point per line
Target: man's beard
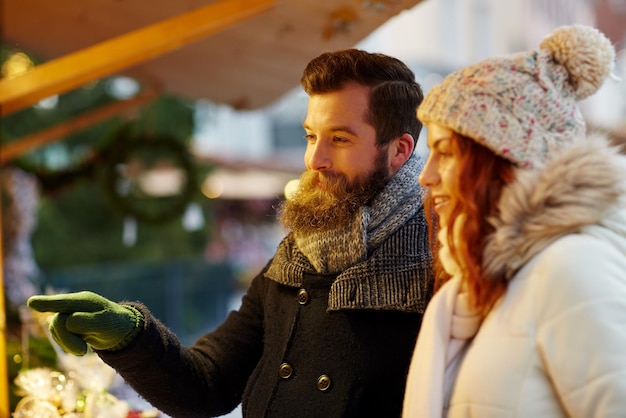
327 201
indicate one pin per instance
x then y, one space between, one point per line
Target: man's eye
309 137
339 139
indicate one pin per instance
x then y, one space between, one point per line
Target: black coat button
285 371
303 297
323 383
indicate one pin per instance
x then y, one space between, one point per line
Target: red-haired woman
530 316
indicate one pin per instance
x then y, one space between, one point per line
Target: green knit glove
85 318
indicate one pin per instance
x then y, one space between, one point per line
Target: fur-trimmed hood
583 186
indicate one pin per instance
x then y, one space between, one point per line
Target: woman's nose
429 176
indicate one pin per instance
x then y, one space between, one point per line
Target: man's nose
318 155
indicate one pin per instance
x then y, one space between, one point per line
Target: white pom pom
586 53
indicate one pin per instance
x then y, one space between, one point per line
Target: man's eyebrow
339 128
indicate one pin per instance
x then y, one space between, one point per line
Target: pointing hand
85 318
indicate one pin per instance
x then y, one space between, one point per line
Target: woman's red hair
482 175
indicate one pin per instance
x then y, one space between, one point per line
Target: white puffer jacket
555 344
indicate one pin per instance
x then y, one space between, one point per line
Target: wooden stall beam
92 63
4 372
17 147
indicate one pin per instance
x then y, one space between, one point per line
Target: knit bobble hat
523 106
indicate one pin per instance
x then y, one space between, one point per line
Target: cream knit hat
523 106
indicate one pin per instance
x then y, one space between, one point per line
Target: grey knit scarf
335 250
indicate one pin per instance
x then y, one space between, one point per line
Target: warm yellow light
291 187
17 64
212 187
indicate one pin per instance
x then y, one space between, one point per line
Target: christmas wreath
150 178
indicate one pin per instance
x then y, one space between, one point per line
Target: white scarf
449 325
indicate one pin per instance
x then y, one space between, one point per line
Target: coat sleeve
581 308
205 379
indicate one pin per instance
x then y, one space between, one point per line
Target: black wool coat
286 353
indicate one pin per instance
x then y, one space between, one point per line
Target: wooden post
4 372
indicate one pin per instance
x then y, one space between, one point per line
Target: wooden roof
244 53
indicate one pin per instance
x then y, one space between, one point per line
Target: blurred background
144 160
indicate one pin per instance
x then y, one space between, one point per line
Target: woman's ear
400 150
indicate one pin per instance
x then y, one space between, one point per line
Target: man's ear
400 150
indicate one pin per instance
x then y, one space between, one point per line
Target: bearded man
328 327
